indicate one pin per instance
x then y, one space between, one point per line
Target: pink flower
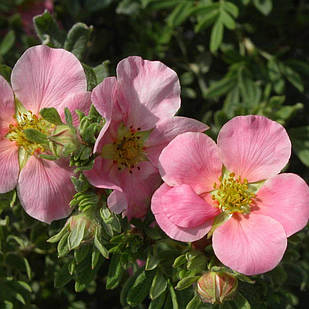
42 77
139 108
237 180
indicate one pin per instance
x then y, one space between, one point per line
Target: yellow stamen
27 120
233 195
128 148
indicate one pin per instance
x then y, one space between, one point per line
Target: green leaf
140 288
160 4
51 115
180 260
95 255
102 70
5 71
91 77
264 6
127 7
99 245
173 297
59 235
293 77
241 302
62 247
208 16
219 220
216 36
186 282
227 20
152 262
77 234
220 87
231 8
28 269
194 302
115 272
68 117
81 253
158 286
181 12
62 277
300 143
7 42
48 31
158 302
36 136
77 39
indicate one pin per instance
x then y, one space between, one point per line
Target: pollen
127 150
232 194
27 120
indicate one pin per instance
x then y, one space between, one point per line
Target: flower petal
172 230
185 208
117 202
9 167
45 189
251 245
104 174
7 106
102 99
150 89
80 101
139 187
168 129
192 159
254 147
44 77
285 198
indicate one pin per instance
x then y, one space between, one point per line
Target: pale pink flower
42 77
139 108
236 179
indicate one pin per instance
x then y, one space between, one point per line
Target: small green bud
216 287
64 140
85 222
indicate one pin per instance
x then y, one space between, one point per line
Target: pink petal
251 245
44 77
285 198
138 188
168 129
102 97
104 174
172 230
45 189
117 202
7 106
80 101
150 88
254 147
192 159
185 208
9 167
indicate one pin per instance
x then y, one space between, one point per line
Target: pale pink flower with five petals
260 207
139 108
42 77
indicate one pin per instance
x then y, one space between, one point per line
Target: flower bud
216 287
64 140
83 221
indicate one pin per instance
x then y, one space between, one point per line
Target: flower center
127 150
27 120
233 195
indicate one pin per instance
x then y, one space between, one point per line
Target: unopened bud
64 140
85 222
216 287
